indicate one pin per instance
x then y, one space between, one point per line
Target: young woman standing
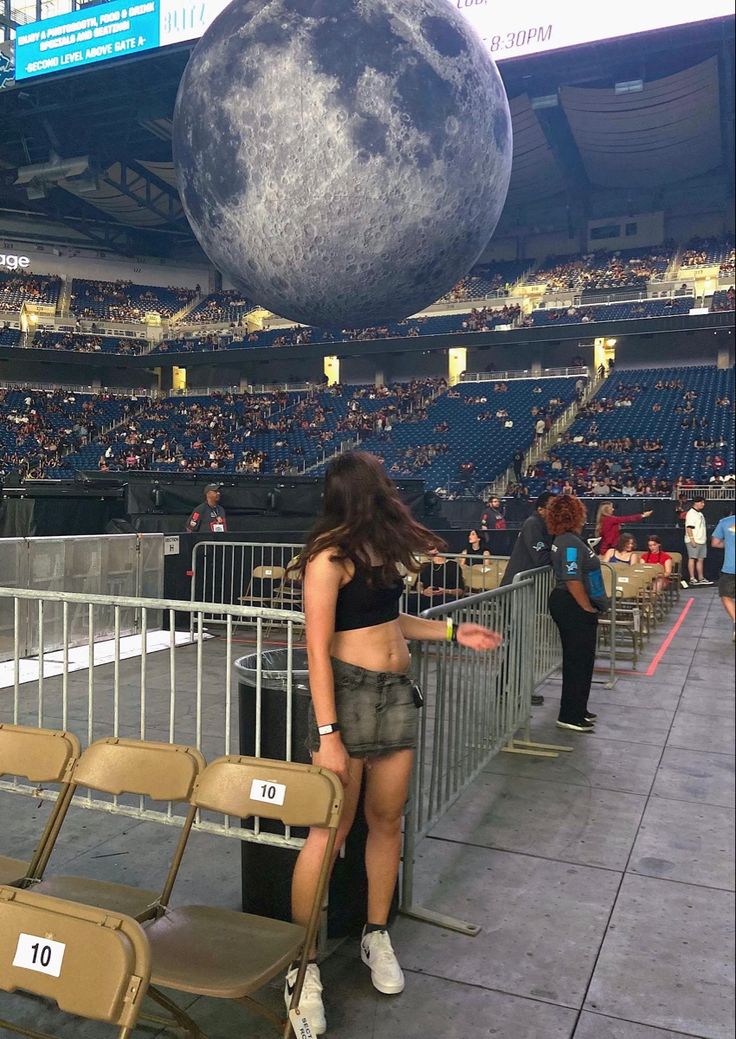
363 717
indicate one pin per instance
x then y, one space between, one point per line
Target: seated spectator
624 551
601 487
655 554
439 581
475 546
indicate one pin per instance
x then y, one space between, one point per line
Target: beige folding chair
159 771
627 609
481 577
289 592
657 588
226 954
265 592
38 756
636 587
92 964
676 575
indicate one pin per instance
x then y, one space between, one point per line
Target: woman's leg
386 792
309 860
588 640
559 608
578 631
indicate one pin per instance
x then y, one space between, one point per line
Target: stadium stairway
539 447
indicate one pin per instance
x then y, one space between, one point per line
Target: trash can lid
275 668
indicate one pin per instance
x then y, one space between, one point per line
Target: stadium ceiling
575 131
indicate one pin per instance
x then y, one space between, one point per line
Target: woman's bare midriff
378 648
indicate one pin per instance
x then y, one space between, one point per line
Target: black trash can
267 870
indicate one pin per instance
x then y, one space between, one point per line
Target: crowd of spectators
667 306
187 435
126 301
226 306
39 427
704 251
82 342
485 319
19 288
586 461
724 299
729 265
411 460
220 432
605 270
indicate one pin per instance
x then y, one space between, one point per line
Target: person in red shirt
608 526
655 554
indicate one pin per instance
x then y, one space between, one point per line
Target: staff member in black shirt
576 601
531 550
209 517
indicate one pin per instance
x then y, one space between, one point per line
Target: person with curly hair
575 603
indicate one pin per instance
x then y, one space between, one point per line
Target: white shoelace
312 982
382 952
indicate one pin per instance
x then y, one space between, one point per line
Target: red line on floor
666 644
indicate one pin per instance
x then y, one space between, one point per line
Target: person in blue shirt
724 536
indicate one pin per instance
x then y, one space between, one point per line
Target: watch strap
325 730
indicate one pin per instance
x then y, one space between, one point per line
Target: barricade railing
547 646
709 492
475 703
546 641
161 684
179 686
109 564
266 574
245 573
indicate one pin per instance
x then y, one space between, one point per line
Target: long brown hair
363 515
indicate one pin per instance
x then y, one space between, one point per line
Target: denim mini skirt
376 711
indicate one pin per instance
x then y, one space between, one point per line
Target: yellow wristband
450 630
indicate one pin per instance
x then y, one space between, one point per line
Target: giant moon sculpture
343 161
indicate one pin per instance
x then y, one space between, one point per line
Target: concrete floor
603 881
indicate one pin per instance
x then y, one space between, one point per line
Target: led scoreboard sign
113 29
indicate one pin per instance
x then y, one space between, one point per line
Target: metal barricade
244 573
546 640
115 565
547 646
475 703
264 574
178 686
159 684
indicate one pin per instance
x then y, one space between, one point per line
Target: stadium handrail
528 373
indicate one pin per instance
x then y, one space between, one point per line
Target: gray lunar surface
345 162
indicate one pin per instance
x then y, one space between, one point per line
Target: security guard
209 517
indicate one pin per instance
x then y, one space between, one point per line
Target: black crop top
360 606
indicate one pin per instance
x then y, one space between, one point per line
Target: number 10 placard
40 954
267 792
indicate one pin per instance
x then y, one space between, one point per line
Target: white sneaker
310 1004
705 581
377 952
